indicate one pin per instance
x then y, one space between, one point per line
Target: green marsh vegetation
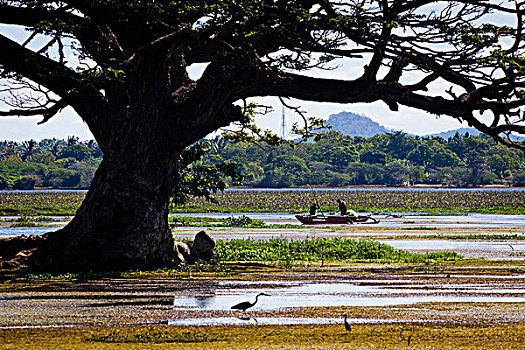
40 203
363 336
283 251
495 202
239 221
32 221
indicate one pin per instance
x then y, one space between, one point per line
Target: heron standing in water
348 327
246 304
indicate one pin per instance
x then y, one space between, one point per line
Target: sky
409 120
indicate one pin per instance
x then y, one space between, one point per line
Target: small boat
335 219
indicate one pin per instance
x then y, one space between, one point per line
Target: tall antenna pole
283 125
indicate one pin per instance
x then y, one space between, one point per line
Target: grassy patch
322 249
239 221
491 237
152 336
48 203
243 221
453 202
436 202
422 228
371 336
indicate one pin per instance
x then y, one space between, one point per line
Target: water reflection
356 293
275 321
204 301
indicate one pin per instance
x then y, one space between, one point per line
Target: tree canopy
123 67
257 48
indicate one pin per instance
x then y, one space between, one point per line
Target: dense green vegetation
321 249
49 163
384 159
335 160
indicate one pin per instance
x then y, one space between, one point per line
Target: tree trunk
123 221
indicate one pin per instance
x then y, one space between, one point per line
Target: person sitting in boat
313 208
342 207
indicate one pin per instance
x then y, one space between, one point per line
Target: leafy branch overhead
450 58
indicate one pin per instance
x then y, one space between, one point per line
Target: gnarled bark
123 221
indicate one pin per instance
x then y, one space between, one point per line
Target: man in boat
342 207
352 214
313 208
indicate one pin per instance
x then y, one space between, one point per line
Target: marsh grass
48 203
366 336
322 249
422 228
239 221
153 337
25 275
436 202
491 237
29 221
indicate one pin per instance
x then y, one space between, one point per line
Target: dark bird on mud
246 304
348 327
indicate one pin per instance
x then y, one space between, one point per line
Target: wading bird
348 327
246 304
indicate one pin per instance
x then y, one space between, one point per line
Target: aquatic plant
152 336
495 202
320 249
243 221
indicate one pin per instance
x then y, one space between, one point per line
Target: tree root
16 251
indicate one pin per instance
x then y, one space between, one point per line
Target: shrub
26 182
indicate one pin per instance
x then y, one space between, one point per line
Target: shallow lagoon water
408 219
265 321
405 222
486 224
293 294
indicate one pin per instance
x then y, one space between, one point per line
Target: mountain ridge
353 124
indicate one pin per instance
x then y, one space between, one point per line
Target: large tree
131 87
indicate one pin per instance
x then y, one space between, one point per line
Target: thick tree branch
40 69
331 90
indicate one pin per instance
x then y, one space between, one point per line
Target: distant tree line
49 163
391 159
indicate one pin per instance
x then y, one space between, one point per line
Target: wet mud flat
447 305
298 292
464 303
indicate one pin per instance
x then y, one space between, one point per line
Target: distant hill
461 131
353 124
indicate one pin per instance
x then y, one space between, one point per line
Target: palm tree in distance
28 149
72 140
